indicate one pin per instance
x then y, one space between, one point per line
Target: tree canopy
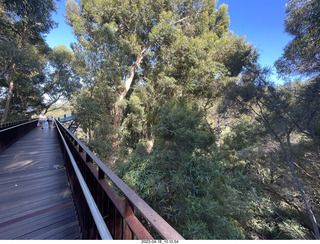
32 75
179 107
301 55
147 52
23 50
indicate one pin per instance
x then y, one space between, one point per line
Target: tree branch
129 80
180 20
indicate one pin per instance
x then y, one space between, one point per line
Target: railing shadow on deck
119 213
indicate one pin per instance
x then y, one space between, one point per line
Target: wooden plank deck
35 198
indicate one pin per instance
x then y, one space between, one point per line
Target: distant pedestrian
49 121
42 120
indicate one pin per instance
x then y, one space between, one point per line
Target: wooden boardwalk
35 199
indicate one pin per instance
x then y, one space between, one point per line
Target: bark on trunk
290 161
11 78
90 133
117 118
9 96
129 79
117 110
306 202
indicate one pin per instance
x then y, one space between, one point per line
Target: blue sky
63 34
261 21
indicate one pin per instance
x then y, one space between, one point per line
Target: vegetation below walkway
179 107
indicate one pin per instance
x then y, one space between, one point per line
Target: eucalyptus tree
307 114
27 79
301 55
23 23
154 50
61 81
278 110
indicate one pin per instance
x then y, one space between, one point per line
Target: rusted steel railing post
129 213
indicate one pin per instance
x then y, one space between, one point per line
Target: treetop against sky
262 22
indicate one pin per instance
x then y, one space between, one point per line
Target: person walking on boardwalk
42 119
49 121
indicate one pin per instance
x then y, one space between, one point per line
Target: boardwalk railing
14 131
119 213
10 124
91 206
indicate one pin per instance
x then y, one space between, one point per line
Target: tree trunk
11 78
290 161
129 80
306 202
9 96
118 112
90 133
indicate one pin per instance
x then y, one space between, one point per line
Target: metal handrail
98 219
11 134
12 127
132 200
9 124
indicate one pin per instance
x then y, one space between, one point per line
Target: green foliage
181 130
86 111
183 48
61 80
301 54
101 144
158 77
23 54
282 113
135 123
94 121
257 168
183 177
35 14
193 197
